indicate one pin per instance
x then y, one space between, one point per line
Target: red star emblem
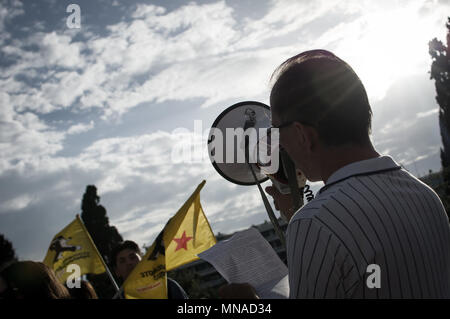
182 241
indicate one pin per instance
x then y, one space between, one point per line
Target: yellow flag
73 245
188 233
148 280
185 235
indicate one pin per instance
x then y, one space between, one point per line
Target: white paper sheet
248 258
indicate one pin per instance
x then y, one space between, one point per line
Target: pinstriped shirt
370 212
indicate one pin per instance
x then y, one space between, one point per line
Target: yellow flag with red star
188 233
185 235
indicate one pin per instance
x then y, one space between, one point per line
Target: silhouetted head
85 291
318 96
31 280
125 257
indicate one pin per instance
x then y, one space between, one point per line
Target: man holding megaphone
373 230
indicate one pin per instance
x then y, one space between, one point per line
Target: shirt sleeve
318 264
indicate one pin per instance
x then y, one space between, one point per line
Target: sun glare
389 45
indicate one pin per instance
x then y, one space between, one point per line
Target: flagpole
118 294
101 257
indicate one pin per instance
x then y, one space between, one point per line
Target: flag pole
116 287
118 293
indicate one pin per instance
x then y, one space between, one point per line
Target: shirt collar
365 167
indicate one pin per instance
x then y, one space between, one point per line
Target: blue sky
104 104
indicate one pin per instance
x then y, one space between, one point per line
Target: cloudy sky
106 103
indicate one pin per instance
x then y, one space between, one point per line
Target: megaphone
244 150
227 145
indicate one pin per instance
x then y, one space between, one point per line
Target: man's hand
237 291
283 202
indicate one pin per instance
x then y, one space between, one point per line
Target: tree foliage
105 237
7 252
440 72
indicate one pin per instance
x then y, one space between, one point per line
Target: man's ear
307 136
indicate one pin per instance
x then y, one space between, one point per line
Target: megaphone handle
269 210
296 192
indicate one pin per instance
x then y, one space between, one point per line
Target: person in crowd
373 230
127 255
85 291
31 280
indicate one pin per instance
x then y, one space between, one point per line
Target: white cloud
195 51
146 158
80 128
283 18
9 9
208 78
51 89
201 51
59 50
17 203
24 137
51 50
427 113
104 76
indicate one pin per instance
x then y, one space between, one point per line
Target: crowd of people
35 280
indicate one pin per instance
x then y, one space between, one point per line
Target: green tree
440 72
7 252
105 237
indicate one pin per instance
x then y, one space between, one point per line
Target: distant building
210 278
